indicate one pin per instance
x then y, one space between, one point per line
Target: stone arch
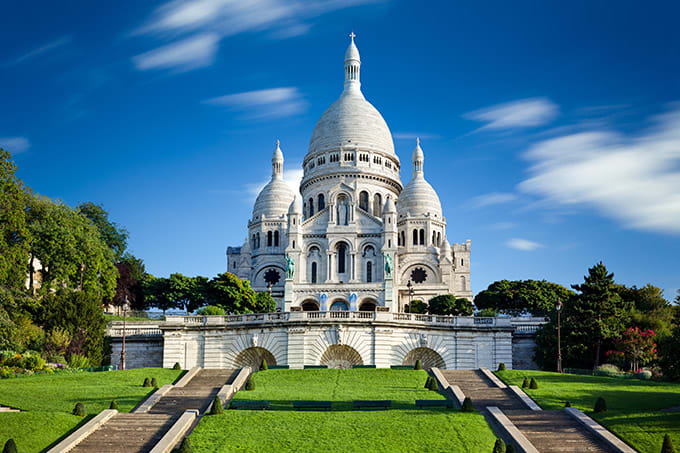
406 268
341 356
252 357
428 357
259 280
309 305
337 305
368 304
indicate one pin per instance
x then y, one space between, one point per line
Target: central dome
351 121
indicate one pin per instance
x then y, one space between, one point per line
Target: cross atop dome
352 35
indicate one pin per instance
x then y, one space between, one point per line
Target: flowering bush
638 347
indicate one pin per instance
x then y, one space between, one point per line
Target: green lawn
282 387
49 399
634 406
403 428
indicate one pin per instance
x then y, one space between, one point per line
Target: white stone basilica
354 238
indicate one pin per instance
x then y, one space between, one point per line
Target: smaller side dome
295 206
389 207
418 197
275 198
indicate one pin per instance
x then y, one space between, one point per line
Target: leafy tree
487 313
649 308
156 293
187 292
113 235
416 306
14 233
448 304
131 273
638 346
669 355
231 293
599 312
522 297
211 310
264 303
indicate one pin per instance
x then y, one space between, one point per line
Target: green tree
14 233
231 293
129 283
521 297
113 235
669 355
448 304
156 292
264 303
649 308
187 292
417 306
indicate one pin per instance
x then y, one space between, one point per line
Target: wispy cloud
413 136
523 244
291 177
191 53
259 104
49 47
490 199
280 19
14 145
515 115
635 180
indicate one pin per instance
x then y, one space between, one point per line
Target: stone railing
528 325
116 330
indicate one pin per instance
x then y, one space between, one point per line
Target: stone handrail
528 325
143 331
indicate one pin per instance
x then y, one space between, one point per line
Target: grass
49 399
282 387
403 428
634 406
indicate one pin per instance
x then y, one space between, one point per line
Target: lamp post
558 308
122 353
410 294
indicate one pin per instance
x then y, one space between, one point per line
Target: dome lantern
352 66
277 161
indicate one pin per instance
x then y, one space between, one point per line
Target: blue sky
551 130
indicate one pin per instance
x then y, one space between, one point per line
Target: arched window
439 239
269 238
363 200
253 244
257 241
422 237
276 238
403 239
415 237
339 306
377 205
342 250
462 262
369 272
434 238
463 283
311 207
314 272
321 203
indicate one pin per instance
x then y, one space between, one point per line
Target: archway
428 357
367 305
339 305
252 357
310 305
341 356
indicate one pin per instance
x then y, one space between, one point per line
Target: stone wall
523 352
140 351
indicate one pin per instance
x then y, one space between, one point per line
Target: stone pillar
288 295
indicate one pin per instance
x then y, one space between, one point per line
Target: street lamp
558 308
122 353
410 294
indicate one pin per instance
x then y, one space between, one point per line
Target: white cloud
523 244
514 115
635 180
14 145
491 199
268 103
50 46
279 18
291 177
191 53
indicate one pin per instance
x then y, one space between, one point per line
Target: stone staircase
139 432
548 431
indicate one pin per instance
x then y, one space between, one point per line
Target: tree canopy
448 304
521 297
14 245
113 235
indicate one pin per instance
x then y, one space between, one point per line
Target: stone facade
351 220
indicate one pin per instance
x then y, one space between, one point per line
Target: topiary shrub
525 383
147 382
154 382
431 384
499 446
667 446
250 385
533 384
176 366
113 405
263 365
11 446
501 366
418 365
600 405
186 446
510 448
79 410
567 404
467 405
644 375
217 406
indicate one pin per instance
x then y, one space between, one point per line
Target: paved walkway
139 432
548 431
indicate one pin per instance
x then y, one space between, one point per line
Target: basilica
354 238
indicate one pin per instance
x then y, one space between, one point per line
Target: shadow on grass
85 419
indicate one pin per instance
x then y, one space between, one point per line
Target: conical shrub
113 405
217 406
419 365
667 446
467 405
567 404
510 448
154 383
600 405
250 385
501 366
147 382
533 384
263 365
11 446
499 446
79 410
176 366
186 446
